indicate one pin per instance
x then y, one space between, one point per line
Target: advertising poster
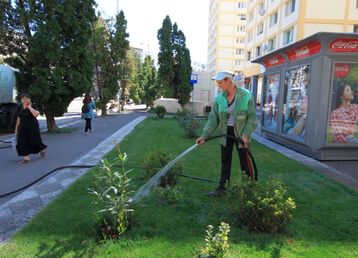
343 117
296 85
271 101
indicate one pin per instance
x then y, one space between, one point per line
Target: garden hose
249 156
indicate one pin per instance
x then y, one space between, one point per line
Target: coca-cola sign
274 60
341 70
303 51
344 45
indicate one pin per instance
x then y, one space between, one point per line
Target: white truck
8 106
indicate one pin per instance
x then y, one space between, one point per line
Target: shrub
191 127
169 195
160 111
262 206
112 194
156 160
189 123
181 115
216 245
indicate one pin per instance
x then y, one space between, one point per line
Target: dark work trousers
226 158
88 124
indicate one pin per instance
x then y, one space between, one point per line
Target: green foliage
49 43
110 47
262 206
174 62
217 244
169 195
190 125
166 72
155 161
146 88
160 111
113 199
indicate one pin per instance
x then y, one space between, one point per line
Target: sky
145 17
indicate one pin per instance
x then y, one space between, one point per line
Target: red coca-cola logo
309 49
341 70
344 45
274 60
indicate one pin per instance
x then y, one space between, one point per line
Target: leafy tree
150 85
110 46
174 62
134 64
48 42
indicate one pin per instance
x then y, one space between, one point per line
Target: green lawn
325 222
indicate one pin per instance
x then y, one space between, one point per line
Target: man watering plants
233 114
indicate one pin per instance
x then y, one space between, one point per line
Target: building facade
272 24
227 35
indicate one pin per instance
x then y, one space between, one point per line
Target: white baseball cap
222 75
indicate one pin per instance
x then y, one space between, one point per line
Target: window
288 36
241 5
273 19
237 62
242 17
355 28
248 55
239 51
270 101
241 28
290 7
258 51
272 44
295 105
343 119
260 28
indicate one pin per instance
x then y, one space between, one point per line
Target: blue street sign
194 79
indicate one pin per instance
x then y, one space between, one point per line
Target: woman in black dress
28 131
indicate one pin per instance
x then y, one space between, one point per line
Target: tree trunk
104 110
51 122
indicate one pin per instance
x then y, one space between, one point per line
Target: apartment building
227 37
272 24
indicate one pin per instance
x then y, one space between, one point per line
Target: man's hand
200 141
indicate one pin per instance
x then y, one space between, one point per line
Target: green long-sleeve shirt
245 120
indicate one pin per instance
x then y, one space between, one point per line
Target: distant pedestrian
88 112
27 131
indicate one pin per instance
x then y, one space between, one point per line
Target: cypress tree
166 72
48 41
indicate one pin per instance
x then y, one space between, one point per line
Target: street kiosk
309 100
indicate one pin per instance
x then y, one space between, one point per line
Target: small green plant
113 194
156 160
262 206
189 123
160 111
169 195
217 244
191 127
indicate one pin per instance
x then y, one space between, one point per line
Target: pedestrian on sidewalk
27 131
88 112
234 114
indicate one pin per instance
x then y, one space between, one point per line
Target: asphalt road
62 150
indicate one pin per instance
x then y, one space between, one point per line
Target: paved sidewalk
16 211
329 171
